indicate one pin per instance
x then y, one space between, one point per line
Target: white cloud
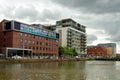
102 21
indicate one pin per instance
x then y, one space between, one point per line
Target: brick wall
96 51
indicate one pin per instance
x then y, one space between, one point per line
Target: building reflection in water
43 71
72 71
81 70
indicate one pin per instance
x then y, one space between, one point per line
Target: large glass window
32 30
49 34
40 31
16 25
14 52
57 35
7 26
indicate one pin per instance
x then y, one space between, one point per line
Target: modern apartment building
17 38
72 34
110 47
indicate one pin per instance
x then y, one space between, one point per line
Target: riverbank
108 59
52 60
33 60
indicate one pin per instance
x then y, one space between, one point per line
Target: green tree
66 51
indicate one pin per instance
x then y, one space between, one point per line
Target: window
33 48
20 34
25 47
29 47
37 42
25 35
16 25
21 46
34 36
36 48
4 39
7 26
4 33
25 41
49 44
56 40
29 35
37 37
29 41
21 40
33 42
40 48
40 43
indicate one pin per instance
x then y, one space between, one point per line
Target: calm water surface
89 70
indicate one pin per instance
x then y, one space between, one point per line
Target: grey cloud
92 6
106 15
30 13
114 31
7 11
20 12
91 38
26 12
47 15
111 27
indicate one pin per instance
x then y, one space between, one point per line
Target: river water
81 70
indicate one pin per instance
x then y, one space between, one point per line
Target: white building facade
72 35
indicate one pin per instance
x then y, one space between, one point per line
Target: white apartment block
72 34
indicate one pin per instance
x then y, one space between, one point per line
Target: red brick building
96 51
21 39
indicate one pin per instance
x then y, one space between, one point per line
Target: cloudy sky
101 17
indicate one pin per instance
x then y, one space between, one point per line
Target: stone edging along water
50 60
33 60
